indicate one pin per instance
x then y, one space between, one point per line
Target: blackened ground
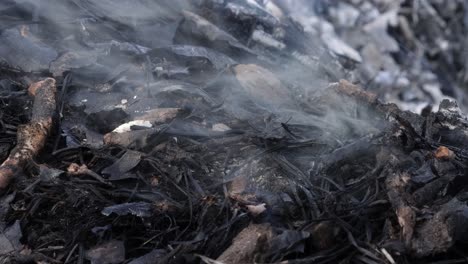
188 132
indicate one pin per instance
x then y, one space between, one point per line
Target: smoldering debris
232 131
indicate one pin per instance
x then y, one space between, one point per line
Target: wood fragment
246 244
443 153
396 191
346 88
126 137
31 137
256 210
76 170
130 138
442 230
262 86
162 115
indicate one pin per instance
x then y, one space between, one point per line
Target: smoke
102 20
121 53
127 45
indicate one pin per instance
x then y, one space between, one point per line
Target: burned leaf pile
222 132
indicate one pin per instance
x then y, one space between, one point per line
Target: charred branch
31 137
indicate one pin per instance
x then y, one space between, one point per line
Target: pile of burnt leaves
162 195
208 132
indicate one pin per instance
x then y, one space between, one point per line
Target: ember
235 131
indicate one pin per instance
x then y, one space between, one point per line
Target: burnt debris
236 131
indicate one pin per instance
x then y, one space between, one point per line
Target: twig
346 88
75 170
